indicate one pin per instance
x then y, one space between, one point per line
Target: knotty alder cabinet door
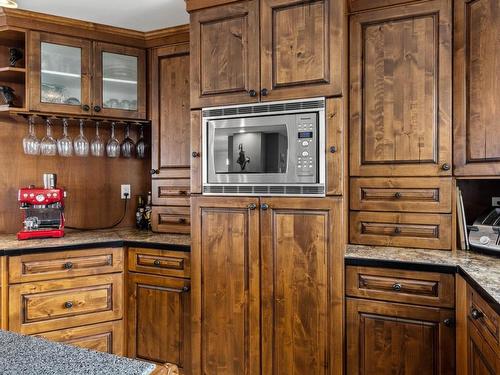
477 87
301 48
400 108
225 54
388 338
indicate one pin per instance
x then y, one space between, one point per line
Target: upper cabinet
299 53
78 76
400 82
477 87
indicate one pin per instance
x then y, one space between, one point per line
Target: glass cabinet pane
119 76
61 74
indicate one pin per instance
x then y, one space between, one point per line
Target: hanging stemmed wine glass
128 145
141 146
48 147
113 145
65 145
31 144
97 145
81 143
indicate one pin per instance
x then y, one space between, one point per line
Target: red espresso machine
43 210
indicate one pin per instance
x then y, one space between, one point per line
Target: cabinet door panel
158 317
301 268
385 338
482 359
225 279
225 54
170 117
301 48
59 73
477 87
401 91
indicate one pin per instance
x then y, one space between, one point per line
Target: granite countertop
30 355
9 245
481 270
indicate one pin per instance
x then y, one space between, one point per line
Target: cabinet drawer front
171 219
483 317
421 288
50 305
171 192
56 265
104 337
159 262
401 194
401 229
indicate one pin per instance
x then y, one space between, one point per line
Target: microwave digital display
305 135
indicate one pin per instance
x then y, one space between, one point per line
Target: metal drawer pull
68 265
448 322
476 314
157 262
252 206
397 230
185 289
397 195
397 287
68 304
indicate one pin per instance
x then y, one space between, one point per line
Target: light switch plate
125 189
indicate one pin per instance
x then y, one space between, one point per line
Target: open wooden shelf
12 74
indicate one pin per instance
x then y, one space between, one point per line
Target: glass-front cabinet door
119 81
60 74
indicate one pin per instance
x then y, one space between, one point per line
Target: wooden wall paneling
98 85
196 156
225 315
169 95
335 146
225 54
476 87
301 48
400 112
302 286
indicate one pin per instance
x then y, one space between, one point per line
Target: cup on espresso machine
49 180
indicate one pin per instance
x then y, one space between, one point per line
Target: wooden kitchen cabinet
267 278
400 79
299 54
476 88
83 77
159 319
387 338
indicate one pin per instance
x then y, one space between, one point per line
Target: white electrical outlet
125 190
495 201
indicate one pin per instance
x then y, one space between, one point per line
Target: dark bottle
148 210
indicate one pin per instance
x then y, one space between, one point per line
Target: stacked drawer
74 297
403 211
171 204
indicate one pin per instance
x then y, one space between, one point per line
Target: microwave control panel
306 145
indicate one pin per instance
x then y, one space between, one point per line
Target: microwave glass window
253 149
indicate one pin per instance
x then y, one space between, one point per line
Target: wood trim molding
25 19
192 5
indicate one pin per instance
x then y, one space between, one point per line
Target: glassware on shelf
141 145
48 147
97 145
81 144
65 145
113 145
128 145
31 144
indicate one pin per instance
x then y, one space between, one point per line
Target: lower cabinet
389 338
482 358
104 337
267 286
159 319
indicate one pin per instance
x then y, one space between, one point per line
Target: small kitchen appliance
43 210
485 232
263 149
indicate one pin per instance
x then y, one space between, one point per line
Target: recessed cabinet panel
301 48
225 56
401 91
477 87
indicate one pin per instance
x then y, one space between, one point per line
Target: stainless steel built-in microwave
273 148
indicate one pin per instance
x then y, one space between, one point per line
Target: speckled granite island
480 270
35 356
9 245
